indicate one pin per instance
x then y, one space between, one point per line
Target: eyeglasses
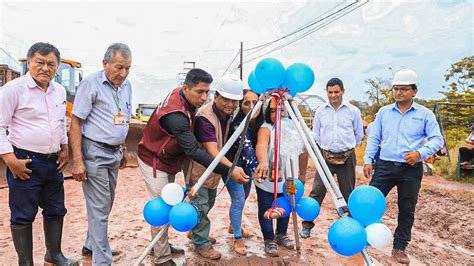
402 90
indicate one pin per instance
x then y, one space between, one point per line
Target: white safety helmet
231 87
405 77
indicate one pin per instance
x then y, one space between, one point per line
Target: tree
379 94
457 119
462 73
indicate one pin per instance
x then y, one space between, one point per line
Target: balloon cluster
349 236
307 208
270 74
171 208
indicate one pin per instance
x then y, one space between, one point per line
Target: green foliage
461 75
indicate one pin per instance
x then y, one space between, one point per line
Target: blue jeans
238 195
265 201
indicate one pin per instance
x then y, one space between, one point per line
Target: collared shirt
399 133
36 119
338 130
95 103
206 131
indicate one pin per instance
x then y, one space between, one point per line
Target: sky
374 40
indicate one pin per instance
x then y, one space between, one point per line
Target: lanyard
116 98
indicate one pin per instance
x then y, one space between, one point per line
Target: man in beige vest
211 129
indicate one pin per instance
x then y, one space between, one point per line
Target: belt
399 163
105 145
45 156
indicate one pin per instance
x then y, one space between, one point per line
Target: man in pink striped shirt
35 151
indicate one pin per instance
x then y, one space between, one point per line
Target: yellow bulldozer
69 75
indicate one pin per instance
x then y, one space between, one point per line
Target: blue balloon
307 208
299 190
299 78
183 217
254 84
285 204
347 236
270 72
367 204
156 212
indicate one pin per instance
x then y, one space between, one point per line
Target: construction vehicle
144 111
69 75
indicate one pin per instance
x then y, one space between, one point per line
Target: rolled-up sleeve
9 101
84 99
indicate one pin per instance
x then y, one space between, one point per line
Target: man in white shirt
338 129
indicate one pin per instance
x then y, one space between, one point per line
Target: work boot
23 241
305 232
189 235
271 248
284 241
175 250
245 234
239 247
53 231
400 256
209 253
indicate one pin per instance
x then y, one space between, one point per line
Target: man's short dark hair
195 76
43 48
413 87
334 82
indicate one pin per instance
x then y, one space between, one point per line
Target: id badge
120 119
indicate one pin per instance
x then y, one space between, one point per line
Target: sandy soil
442 235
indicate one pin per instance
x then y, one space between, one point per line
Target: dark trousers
345 177
407 179
44 189
265 201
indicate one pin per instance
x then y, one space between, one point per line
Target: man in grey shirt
100 121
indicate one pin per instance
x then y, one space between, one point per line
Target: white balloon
172 194
378 235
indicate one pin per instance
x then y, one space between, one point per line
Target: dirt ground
442 235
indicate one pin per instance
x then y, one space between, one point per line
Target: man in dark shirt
168 139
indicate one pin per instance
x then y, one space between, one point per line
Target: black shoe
176 250
87 252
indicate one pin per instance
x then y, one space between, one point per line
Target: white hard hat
231 87
405 77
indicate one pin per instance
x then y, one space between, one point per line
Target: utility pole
241 59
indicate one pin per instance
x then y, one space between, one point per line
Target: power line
307 33
305 26
231 62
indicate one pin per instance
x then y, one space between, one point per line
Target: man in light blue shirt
338 129
99 126
408 133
